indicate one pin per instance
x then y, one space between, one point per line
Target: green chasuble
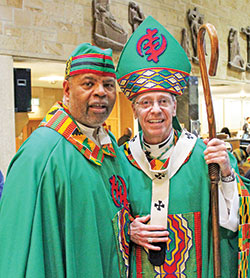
189 249
63 211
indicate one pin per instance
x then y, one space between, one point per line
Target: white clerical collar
157 150
96 134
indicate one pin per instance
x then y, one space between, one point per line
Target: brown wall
126 114
48 97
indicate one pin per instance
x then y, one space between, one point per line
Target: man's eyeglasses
149 103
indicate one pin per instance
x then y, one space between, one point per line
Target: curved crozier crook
213 169
212 69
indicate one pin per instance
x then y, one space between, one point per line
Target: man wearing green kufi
64 209
169 188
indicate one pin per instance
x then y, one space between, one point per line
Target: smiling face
155 119
90 98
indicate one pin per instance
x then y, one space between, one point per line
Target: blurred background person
125 137
226 131
246 129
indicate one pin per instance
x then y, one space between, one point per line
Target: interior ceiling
229 88
54 72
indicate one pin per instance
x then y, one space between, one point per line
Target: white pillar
7 114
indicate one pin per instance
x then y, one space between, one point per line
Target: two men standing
65 206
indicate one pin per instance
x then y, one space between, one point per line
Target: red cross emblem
152 47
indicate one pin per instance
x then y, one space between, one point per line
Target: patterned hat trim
153 79
96 61
91 62
149 69
93 55
81 71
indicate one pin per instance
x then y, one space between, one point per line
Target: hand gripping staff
213 168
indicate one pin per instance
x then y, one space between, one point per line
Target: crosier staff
213 168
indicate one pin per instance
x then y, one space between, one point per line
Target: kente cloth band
87 58
158 163
244 229
153 79
59 119
92 64
184 250
95 63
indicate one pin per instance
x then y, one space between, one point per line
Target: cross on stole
160 205
160 175
189 135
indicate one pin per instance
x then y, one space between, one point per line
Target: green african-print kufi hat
152 60
87 58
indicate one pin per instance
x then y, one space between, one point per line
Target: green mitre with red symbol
152 60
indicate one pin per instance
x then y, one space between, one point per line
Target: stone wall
52 28
43 28
7 115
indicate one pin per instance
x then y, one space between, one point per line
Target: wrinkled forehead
93 77
154 95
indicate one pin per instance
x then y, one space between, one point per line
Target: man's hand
143 234
216 152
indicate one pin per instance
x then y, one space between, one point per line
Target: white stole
160 178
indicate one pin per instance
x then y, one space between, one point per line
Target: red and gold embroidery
244 229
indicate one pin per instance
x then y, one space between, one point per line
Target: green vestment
63 214
189 250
